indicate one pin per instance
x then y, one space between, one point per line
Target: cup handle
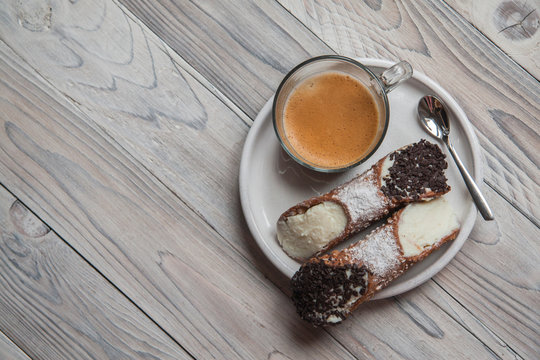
395 75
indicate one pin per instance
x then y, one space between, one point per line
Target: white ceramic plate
271 182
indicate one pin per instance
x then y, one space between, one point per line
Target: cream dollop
303 235
423 224
385 169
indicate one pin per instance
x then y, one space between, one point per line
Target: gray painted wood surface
9 350
501 98
122 128
514 26
54 305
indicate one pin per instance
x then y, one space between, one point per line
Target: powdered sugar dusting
379 251
362 198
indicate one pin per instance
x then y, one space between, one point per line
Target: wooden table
122 125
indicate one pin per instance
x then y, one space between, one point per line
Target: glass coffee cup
331 113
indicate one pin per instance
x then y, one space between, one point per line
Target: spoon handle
477 196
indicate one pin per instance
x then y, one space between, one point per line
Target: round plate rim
455 246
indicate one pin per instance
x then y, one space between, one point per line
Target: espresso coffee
331 120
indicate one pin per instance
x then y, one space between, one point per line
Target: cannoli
409 174
326 289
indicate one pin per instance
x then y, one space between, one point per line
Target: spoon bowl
432 115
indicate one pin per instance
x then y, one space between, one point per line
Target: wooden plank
419 317
125 110
144 100
149 143
137 91
244 50
10 351
248 46
513 25
155 249
496 277
54 305
210 298
177 164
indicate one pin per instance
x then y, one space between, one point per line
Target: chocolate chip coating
417 169
324 294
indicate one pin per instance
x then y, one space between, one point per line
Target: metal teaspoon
433 117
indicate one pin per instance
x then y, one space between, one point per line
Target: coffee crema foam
331 120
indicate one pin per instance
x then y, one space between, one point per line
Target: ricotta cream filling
421 225
385 170
303 235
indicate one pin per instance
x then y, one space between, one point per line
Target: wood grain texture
499 97
420 317
488 84
56 306
10 351
142 97
144 239
513 25
208 187
497 278
248 46
174 266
